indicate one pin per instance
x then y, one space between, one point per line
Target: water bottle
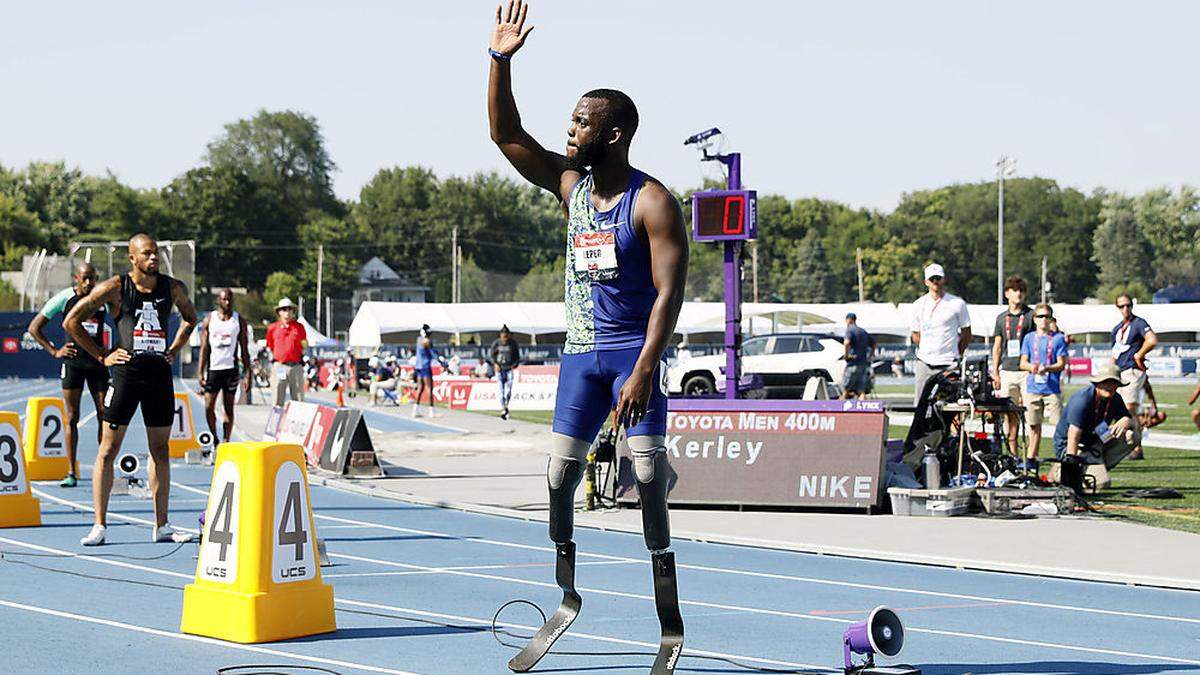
933 471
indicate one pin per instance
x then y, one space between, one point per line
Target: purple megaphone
880 633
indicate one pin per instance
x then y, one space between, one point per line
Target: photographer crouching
1095 428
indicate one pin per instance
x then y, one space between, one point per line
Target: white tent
315 337
379 323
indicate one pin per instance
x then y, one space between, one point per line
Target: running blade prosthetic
566 613
666 601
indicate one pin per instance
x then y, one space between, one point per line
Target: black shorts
222 380
144 381
95 377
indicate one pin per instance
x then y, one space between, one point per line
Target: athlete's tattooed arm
187 312
658 213
107 292
547 170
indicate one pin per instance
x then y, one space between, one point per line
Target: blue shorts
588 387
426 371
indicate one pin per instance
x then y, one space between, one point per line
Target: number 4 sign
293 557
219 546
258 515
18 508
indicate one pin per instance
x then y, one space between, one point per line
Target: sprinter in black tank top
78 367
141 303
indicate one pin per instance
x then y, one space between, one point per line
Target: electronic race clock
724 215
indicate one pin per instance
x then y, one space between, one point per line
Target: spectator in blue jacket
1043 358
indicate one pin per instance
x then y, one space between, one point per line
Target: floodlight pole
1004 167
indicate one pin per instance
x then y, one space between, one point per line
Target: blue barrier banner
22 356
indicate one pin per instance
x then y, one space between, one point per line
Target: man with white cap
287 340
941 328
1096 427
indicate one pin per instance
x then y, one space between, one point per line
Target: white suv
784 361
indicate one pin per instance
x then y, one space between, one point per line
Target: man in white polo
941 328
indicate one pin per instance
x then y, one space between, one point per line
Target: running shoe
95 537
166 534
69 481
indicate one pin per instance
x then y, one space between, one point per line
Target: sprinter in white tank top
224 336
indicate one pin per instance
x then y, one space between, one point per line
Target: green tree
1121 250
394 211
892 272
118 211
284 153
57 196
1171 223
543 283
230 219
19 232
956 226
343 255
281 285
801 272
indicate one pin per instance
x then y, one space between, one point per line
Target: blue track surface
416 587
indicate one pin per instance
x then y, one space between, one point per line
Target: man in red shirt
287 340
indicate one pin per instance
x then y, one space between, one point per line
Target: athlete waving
627 253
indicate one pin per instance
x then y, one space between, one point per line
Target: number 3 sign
18 508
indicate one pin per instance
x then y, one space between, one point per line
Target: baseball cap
1105 371
934 270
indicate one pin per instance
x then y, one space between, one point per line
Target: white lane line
958 634
197 638
766 575
87 418
440 570
721 606
40 389
788 577
587 636
425 613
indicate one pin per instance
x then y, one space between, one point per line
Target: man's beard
586 155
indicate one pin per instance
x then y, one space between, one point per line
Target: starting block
46 438
18 507
203 454
183 431
258 578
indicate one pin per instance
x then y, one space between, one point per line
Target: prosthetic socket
650 467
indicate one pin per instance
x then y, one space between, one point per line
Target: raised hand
510 31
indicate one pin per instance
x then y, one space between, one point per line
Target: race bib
224 340
1014 348
149 341
281 372
1041 378
596 254
92 328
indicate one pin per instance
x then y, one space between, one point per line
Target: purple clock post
729 216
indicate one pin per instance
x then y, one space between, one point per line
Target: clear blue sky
858 102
